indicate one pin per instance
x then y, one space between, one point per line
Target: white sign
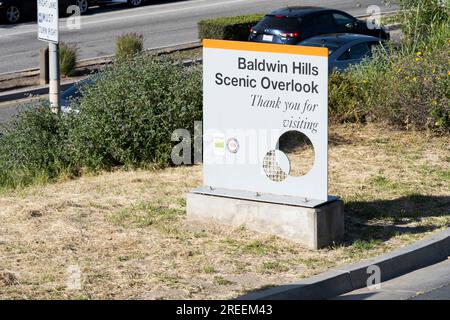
253 94
48 16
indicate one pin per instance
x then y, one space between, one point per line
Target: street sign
254 93
48 16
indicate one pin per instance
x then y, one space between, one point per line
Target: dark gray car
345 49
295 24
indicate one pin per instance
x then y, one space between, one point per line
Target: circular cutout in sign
233 145
300 151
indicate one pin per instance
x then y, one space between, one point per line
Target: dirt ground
123 235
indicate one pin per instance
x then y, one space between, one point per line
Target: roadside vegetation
228 28
127 117
125 120
128 45
68 58
407 86
122 223
127 233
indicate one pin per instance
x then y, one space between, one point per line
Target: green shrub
67 58
405 90
33 148
415 91
128 45
128 116
228 28
410 87
346 99
419 18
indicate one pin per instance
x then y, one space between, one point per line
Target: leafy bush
67 58
346 98
128 116
228 28
128 45
410 87
418 88
420 18
406 90
32 148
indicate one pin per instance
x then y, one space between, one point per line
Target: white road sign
48 16
253 94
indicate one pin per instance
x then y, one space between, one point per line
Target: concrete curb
431 250
101 60
28 93
11 94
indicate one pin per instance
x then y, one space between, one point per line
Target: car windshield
71 92
279 22
74 91
332 47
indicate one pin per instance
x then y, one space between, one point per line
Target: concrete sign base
313 228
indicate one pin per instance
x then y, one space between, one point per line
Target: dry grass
127 233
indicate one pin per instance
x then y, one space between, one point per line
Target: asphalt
430 283
162 23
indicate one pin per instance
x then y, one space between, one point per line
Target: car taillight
290 34
252 30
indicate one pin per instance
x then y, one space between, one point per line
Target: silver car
345 49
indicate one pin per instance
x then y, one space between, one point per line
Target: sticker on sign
47 17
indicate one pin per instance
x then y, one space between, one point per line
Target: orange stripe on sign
264 47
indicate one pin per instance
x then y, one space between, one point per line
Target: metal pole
43 65
54 95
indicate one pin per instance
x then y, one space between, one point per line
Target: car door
29 8
354 54
320 23
344 23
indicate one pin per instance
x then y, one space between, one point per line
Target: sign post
48 31
254 95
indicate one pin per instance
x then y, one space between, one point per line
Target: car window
377 45
356 52
342 20
73 91
275 22
323 21
331 47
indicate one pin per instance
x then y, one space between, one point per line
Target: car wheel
12 14
135 3
83 5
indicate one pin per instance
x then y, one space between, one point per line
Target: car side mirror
350 25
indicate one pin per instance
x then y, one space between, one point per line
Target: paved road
163 24
431 283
